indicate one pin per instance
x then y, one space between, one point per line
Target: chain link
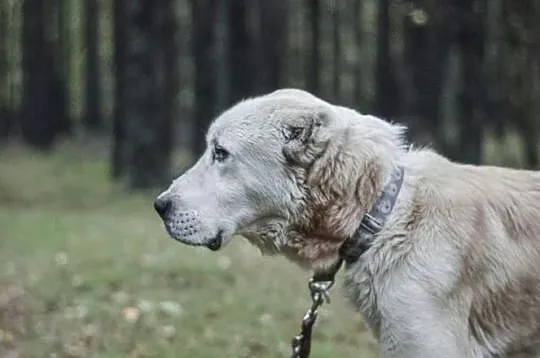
318 289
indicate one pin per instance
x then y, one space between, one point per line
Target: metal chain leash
319 285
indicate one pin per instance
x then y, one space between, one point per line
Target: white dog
454 269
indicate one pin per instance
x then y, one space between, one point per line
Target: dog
454 271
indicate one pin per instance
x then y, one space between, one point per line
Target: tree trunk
471 99
147 141
5 105
496 103
271 44
295 69
221 54
528 128
14 54
62 28
241 54
118 160
38 122
203 18
336 49
527 119
386 98
92 118
166 62
63 62
56 79
426 50
534 86
313 62
358 39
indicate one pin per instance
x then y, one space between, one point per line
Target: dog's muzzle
186 226
183 225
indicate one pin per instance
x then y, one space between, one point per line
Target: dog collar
373 222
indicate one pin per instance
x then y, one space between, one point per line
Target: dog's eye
219 154
294 133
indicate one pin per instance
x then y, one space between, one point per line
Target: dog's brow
215 144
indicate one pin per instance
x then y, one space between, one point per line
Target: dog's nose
162 206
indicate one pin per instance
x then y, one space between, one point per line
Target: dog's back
492 217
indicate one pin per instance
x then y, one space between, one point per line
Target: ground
86 270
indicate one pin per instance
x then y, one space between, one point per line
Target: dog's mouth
215 243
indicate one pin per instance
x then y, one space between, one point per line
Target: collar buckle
370 224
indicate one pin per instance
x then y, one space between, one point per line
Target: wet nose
162 206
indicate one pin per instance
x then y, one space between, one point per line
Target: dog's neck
311 249
321 245
374 221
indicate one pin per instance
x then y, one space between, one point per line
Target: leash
318 285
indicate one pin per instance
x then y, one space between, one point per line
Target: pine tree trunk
203 18
336 49
313 61
221 53
5 105
471 99
527 120
38 122
63 62
356 11
139 93
242 59
58 92
534 83
118 160
495 98
426 51
386 98
62 29
146 159
166 67
271 44
92 118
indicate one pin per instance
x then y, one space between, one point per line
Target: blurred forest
101 95
148 77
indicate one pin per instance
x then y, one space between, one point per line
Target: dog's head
287 170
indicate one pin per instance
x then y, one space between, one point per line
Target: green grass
86 270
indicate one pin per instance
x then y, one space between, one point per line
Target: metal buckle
371 224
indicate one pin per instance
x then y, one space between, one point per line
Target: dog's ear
305 134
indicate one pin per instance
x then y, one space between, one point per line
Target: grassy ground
86 270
